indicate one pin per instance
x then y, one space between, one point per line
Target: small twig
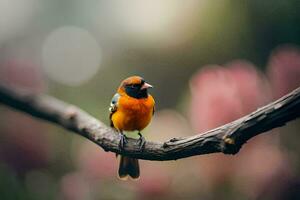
228 138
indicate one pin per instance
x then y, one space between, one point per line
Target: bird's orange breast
133 114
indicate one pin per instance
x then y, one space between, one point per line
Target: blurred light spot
75 187
147 17
95 163
15 15
71 56
21 73
157 23
157 20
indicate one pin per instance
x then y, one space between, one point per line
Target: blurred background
210 62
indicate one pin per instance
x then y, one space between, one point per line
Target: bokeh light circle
16 17
71 56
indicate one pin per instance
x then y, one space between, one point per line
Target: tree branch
227 139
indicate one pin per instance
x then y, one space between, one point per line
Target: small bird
131 109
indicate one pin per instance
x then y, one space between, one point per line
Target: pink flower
221 95
284 70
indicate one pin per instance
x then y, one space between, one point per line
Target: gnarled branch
227 139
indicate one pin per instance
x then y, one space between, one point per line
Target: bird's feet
142 141
123 141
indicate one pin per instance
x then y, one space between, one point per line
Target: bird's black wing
113 107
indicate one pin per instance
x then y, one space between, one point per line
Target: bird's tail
128 167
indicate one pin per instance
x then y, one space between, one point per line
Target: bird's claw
142 141
123 141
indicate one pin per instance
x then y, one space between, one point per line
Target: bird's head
134 86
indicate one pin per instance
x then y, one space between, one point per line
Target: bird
131 109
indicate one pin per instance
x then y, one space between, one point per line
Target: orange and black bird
131 109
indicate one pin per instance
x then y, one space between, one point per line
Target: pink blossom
284 70
221 95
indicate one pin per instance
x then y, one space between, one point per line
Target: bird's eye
135 85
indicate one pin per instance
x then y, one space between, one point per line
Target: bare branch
227 139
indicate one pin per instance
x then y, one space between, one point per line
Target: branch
228 138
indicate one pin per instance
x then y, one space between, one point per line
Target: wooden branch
227 139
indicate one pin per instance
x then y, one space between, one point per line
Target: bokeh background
210 62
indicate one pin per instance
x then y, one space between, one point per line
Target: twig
228 138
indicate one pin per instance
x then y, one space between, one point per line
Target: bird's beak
146 86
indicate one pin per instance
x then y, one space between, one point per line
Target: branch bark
228 138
